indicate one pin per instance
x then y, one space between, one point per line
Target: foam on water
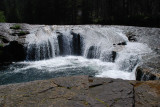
60 64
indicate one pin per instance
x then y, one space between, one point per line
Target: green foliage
21 33
2 17
16 27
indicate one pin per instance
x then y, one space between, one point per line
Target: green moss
102 102
22 33
16 27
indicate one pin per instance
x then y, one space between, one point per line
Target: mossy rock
21 33
15 27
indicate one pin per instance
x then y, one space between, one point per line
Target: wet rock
122 43
131 37
77 44
150 70
109 56
64 45
94 52
60 42
145 74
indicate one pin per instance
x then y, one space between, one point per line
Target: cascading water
86 41
54 51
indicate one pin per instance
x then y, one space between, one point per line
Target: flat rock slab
80 91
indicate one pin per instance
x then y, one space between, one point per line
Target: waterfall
88 41
57 51
107 44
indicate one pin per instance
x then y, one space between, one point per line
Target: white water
43 43
61 64
52 52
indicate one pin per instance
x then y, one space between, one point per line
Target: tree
62 12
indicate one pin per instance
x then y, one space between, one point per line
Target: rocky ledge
12 41
81 91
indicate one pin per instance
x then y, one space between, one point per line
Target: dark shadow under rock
12 52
